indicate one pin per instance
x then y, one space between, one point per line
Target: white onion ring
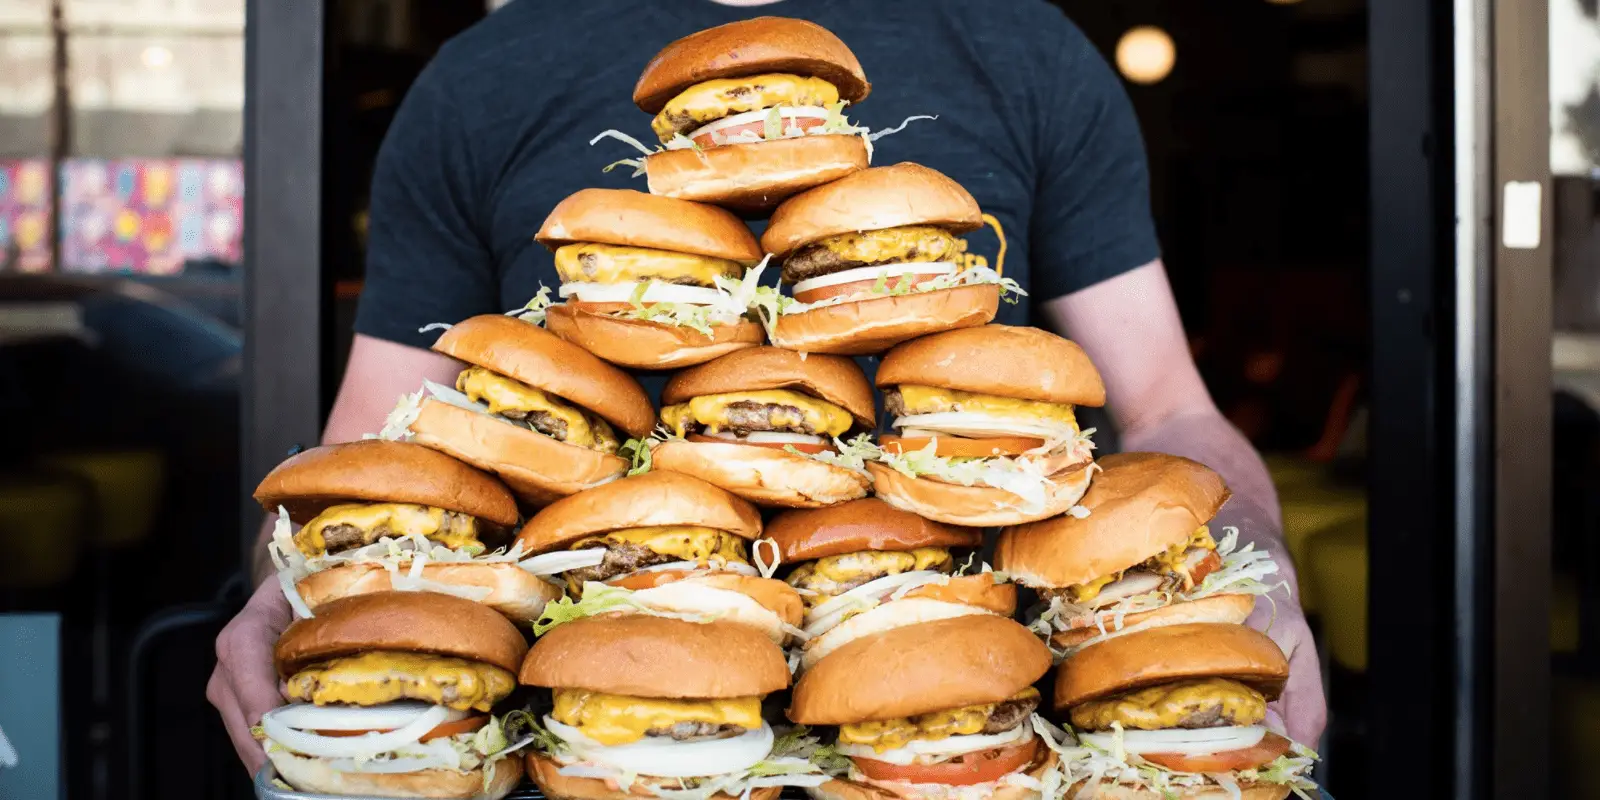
948 746
563 560
770 437
665 757
655 292
310 717
363 746
831 612
759 115
979 425
871 274
691 566
1179 741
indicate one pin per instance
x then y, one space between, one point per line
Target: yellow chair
42 524
1337 561
1308 510
128 487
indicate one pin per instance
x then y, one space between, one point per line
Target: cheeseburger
1143 556
661 543
751 112
875 259
646 279
864 567
537 410
1176 712
939 710
390 696
767 424
987 430
378 515
648 706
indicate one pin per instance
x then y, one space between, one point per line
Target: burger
646 279
658 543
751 112
651 706
939 710
865 567
541 412
391 696
1176 712
1142 557
378 515
875 259
987 432
769 425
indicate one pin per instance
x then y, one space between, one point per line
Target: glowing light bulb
1146 54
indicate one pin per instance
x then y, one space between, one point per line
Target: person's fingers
245 745
244 658
1305 704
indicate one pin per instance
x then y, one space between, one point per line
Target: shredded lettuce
534 310
601 598
637 451
1022 476
1082 761
791 762
1010 290
852 455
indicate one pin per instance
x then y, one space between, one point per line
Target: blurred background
124 321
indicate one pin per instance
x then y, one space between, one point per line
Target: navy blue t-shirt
1031 120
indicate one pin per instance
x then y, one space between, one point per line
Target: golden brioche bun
868 327
641 344
380 471
1231 609
754 176
546 773
634 219
516 594
538 469
657 657
841 789
532 355
762 475
832 378
1140 505
975 506
1000 360
1247 791
639 501
750 47
872 200
914 670
1171 653
865 524
971 594
417 622
314 775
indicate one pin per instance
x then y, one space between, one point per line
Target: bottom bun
640 344
975 506
841 789
538 469
315 776
873 326
1232 609
514 592
762 475
1113 791
545 772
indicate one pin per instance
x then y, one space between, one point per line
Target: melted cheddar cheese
724 97
388 519
913 243
1171 561
930 400
687 542
612 719
1206 702
609 263
826 576
894 733
384 677
793 411
502 394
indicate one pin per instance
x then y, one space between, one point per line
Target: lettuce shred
1023 476
795 760
1084 762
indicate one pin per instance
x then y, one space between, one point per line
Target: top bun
871 200
381 471
751 47
1175 652
835 379
865 524
543 360
917 669
651 499
1139 505
637 655
635 219
411 622
998 360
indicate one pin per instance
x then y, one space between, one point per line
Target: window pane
156 95
25 95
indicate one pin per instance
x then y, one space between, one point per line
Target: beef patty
344 536
541 421
621 558
1010 714
686 731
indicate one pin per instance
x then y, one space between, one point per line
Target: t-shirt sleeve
1091 218
427 260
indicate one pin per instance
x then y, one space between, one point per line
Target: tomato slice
463 725
844 289
803 447
965 770
1270 747
1211 563
759 127
960 446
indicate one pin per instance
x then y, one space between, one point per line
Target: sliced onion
872 274
1179 741
979 425
690 566
692 597
363 746
910 611
1131 585
832 611
770 437
563 560
665 757
656 292
310 717
947 747
759 115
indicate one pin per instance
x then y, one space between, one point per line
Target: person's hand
1302 711
245 685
